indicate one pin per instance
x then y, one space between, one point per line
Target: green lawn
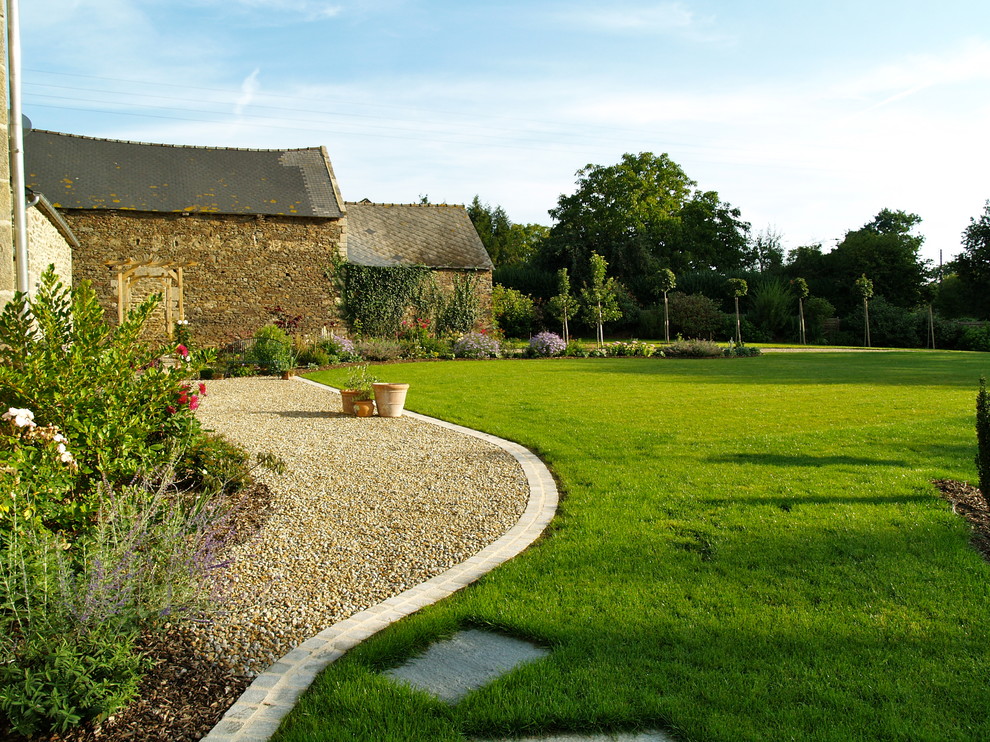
746 549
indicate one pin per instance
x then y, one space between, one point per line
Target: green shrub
975 338
58 680
272 350
513 312
458 312
695 315
314 355
574 349
890 325
98 539
103 388
983 438
771 308
693 349
379 349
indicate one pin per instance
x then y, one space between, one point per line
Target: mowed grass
746 549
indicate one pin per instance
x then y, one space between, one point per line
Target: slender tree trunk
738 324
804 337
601 331
866 316
666 320
931 326
567 334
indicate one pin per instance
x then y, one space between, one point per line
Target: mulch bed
968 502
183 696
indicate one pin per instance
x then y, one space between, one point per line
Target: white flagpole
17 146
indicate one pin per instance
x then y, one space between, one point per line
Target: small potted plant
356 399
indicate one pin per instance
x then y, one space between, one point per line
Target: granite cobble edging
256 715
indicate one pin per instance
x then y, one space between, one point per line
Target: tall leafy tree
507 243
600 296
765 254
642 214
886 250
973 264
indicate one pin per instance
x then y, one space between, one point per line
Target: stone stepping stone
470 659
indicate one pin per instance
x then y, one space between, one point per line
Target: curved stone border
255 716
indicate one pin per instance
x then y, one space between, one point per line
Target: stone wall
242 265
48 245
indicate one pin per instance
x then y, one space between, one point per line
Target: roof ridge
172 146
377 203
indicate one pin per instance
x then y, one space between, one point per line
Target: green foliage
816 311
377 298
694 315
975 338
771 307
740 350
362 380
693 348
737 287
864 287
642 215
599 296
531 280
513 312
973 265
55 681
379 349
765 254
101 387
458 311
890 326
564 305
506 243
272 350
983 438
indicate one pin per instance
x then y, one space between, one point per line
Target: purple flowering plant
477 345
546 344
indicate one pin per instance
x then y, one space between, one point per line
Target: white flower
62 448
23 418
59 438
66 458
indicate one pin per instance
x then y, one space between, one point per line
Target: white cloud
249 89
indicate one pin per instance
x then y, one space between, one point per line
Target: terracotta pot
347 397
390 398
286 375
364 407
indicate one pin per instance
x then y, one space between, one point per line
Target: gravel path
367 508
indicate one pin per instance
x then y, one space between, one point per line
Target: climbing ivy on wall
459 311
375 299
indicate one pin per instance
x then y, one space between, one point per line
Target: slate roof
76 172
438 236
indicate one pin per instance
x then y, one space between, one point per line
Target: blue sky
810 117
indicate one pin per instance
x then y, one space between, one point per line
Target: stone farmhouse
224 233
